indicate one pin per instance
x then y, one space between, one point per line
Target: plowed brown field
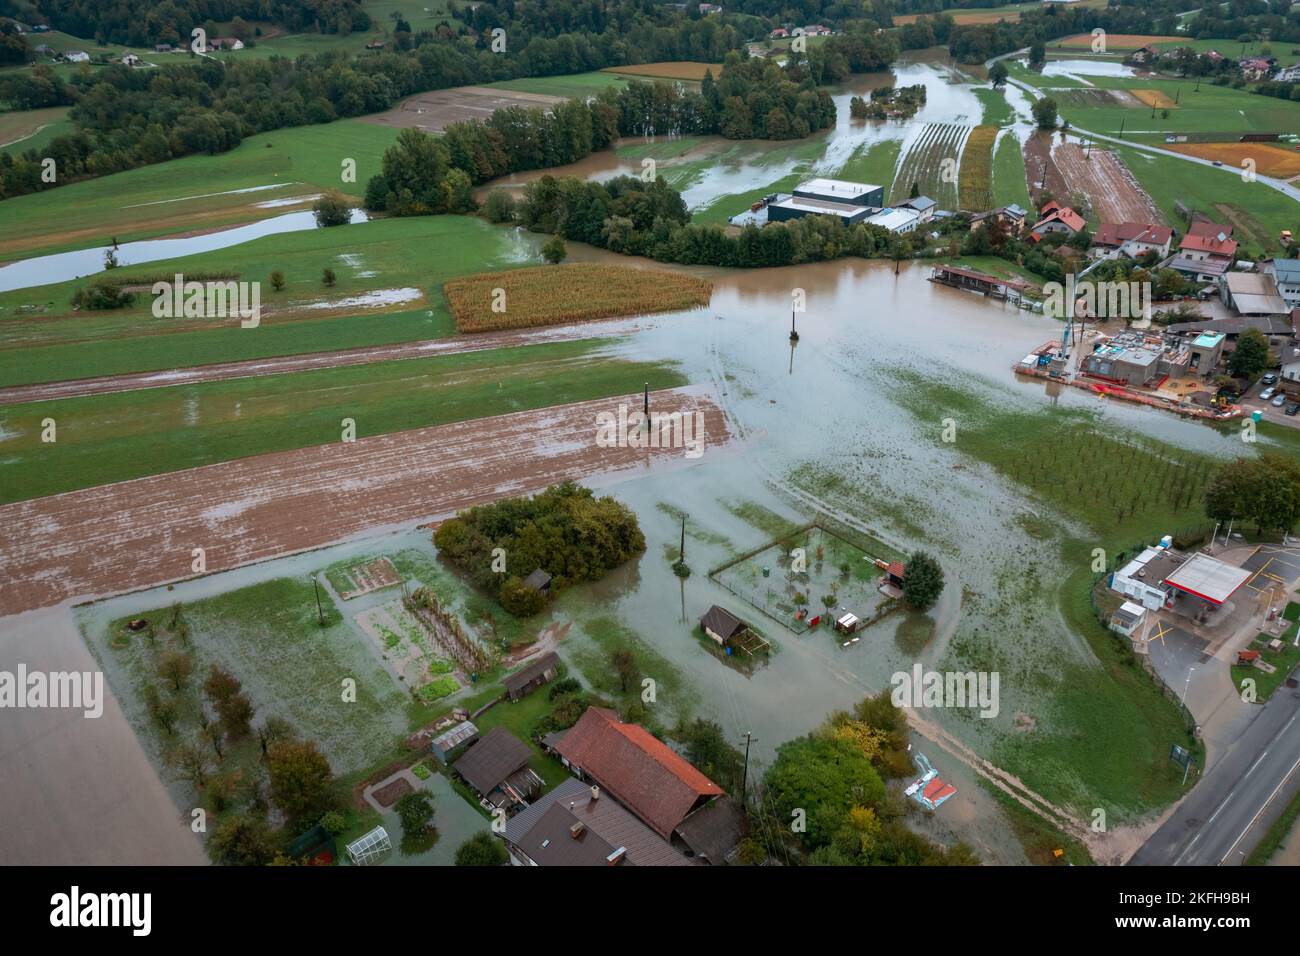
136 534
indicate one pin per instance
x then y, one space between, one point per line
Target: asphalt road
1227 813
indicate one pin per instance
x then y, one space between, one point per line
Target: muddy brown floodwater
134 534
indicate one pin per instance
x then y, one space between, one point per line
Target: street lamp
1183 700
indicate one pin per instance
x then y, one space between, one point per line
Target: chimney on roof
615 858
577 829
595 793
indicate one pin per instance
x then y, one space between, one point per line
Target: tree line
146 22
125 118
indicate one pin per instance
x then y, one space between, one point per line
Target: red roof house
636 768
1058 218
1200 245
1134 238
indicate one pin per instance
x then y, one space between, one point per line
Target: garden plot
809 574
931 163
1098 175
359 579
1094 97
408 651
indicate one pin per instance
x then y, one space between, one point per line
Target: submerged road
1228 812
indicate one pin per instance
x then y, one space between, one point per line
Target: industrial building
852 202
1147 358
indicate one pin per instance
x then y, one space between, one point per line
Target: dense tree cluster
565 531
14 48
834 780
146 22
1264 491
633 217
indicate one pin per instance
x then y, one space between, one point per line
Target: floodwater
1080 69
722 167
62 266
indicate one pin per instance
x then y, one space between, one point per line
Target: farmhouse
1133 239
1256 67
574 825
226 43
1057 218
780 33
77 56
523 682
496 768
1013 217
130 59
657 785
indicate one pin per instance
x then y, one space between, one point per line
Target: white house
77 56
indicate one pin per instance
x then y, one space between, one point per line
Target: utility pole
744 780
319 613
1121 130
646 405
682 556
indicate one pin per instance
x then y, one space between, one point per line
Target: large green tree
302 783
1251 356
922 581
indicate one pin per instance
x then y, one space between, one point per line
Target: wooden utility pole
682 555
744 780
319 613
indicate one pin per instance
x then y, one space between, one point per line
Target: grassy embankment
43 339
107 438
571 293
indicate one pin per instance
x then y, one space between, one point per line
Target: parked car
1269 378
1279 401
1292 408
1266 394
1217 163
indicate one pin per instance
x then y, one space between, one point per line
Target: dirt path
137 534
76 388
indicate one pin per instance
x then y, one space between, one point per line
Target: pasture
195 192
43 339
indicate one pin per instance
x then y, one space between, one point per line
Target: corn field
554 295
975 177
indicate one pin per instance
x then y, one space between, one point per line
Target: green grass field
1009 184
573 85
32 129
1286 53
107 438
1211 109
418 252
1259 212
876 163
176 196
997 111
